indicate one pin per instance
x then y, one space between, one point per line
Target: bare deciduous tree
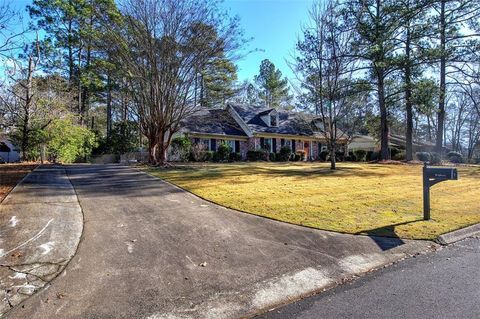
162 45
326 67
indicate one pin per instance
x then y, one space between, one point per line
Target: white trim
239 120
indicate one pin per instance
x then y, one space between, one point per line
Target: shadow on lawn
385 236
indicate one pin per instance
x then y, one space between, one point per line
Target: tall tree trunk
442 93
333 160
109 106
384 136
152 147
408 98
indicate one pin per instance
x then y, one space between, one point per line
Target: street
443 284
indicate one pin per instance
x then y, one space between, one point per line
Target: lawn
357 198
10 175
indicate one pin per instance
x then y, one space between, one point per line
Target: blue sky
274 26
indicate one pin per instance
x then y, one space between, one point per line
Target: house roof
245 120
289 123
212 121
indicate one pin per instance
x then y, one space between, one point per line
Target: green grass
356 198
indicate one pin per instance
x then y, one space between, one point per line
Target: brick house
252 128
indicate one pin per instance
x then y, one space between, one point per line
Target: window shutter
293 146
213 145
274 145
262 142
282 142
237 147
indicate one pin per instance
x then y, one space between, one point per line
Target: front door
306 148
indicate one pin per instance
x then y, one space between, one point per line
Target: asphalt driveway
151 250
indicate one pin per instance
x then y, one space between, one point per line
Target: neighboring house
368 143
253 128
8 152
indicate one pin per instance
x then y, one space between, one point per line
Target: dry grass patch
10 175
357 198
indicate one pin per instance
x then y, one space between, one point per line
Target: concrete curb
457 235
41 223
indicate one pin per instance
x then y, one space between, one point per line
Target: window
237 147
232 145
268 144
273 120
282 142
213 145
293 146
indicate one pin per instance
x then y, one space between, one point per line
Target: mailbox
432 176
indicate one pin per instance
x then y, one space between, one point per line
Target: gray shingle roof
290 123
212 121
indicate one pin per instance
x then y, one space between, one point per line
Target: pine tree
273 89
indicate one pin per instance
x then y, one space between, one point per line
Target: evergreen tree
73 31
273 90
217 82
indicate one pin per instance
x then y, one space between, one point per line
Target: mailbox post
432 176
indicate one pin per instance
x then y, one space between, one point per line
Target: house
246 127
8 152
368 143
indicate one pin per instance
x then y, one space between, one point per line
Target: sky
273 25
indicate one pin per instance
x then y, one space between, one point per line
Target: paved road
445 284
151 250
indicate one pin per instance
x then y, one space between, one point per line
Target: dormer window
273 120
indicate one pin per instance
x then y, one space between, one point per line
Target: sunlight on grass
357 198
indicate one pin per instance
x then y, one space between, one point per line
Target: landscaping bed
10 175
358 198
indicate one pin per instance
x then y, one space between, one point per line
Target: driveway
152 250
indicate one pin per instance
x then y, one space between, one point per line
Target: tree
378 25
217 82
326 69
273 90
9 37
161 45
454 20
416 54
73 43
68 142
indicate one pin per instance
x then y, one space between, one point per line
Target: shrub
208 156
435 158
394 152
198 152
423 156
216 157
235 157
68 142
455 157
285 153
272 157
339 156
323 155
223 152
301 154
260 155
476 159
400 156
180 149
371 156
360 155
351 157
